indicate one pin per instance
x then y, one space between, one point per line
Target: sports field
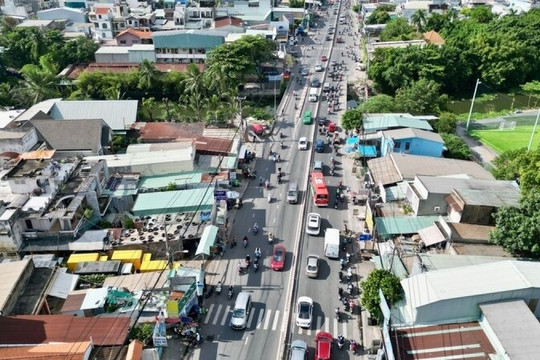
501 141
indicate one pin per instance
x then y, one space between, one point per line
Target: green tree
194 80
388 283
353 119
380 15
398 30
379 104
446 123
522 166
39 82
456 148
142 332
517 229
533 89
8 23
22 46
420 97
418 19
148 105
507 166
147 76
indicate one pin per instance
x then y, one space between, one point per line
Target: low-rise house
252 12
427 195
186 46
108 20
122 55
377 122
64 13
230 24
131 37
411 141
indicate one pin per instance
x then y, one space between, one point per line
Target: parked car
304 314
278 258
312 267
323 346
313 224
302 143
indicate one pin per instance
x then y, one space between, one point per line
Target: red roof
212 146
228 20
44 329
102 10
137 33
159 132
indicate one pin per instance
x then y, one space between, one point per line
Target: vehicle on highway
315 83
292 193
240 314
304 312
278 258
331 30
299 350
319 189
332 127
319 67
324 58
328 38
321 121
318 166
302 143
326 87
305 70
312 267
331 243
306 120
340 40
313 224
313 95
323 346
319 145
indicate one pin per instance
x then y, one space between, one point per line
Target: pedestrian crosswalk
267 319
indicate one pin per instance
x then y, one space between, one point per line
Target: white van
331 243
242 308
313 94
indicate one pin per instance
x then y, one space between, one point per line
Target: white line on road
276 319
336 328
319 322
267 320
300 330
344 332
259 320
217 314
207 318
327 325
227 310
245 342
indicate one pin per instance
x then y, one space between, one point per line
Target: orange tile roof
433 37
102 10
68 351
38 154
138 33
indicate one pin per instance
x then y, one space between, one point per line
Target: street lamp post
533 131
472 104
240 99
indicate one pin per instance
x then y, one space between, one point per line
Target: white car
304 312
319 67
302 143
312 267
313 225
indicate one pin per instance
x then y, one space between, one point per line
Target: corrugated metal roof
407 133
118 114
136 282
11 273
375 122
174 201
445 185
466 281
489 197
515 327
182 178
391 226
67 351
103 331
206 39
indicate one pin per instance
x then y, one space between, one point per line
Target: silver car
312 267
298 350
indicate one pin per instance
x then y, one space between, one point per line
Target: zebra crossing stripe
327 325
208 314
267 320
217 314
224 320
259 320
276 319
319 322
344 332
336 328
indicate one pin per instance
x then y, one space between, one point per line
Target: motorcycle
335 204
255 229
337 314
353 346
350 288
256 265
270 238
331 172
209 292
239 269
340 341
269 198
218 288
282 145
340 274
279 179
352 304
245 241
349 275
342 264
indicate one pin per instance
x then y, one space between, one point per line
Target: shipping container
153 265
74 259
129 256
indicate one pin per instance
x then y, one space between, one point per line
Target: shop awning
208 239
431 235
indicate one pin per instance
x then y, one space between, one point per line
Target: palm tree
39 81
148 104
147 75
194 103
194 80
418 19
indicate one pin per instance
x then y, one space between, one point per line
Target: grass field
501 141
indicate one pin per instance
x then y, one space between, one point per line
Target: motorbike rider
337 313
245 241
336 203
258 253
239 267
255 228
248 260
281 144
341 340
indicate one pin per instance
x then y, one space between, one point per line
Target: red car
278 258
324 58
323 346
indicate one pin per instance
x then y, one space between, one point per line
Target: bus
319 189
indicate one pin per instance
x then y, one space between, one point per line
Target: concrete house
186 46
411 141
64 13
131 37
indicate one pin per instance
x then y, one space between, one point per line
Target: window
103 35
123 42
253 4
99 17
397 144
104 26
407 145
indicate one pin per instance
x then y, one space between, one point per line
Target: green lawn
501 141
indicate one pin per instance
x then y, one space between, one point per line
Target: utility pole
533 131
472 104
240 99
